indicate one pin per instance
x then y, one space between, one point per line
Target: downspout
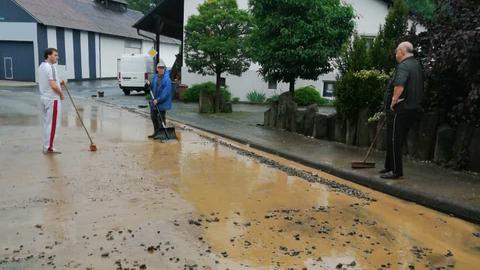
154 42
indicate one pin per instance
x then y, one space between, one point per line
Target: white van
133 71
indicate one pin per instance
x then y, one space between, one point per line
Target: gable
11 12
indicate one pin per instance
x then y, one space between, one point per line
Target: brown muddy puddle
265 218
219 208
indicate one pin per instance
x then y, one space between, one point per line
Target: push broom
93 147
365 164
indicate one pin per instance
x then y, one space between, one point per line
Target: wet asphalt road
201 203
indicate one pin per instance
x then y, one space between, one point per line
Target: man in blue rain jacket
161 87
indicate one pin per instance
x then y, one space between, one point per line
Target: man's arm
401 77
397 92
164 92
56 88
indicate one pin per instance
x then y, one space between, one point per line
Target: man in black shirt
402 102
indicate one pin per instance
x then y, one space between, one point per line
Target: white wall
167 51
69 58
85 55
111 48
370 14
13 31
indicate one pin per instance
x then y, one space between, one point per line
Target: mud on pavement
202 203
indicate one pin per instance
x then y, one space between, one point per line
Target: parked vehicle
133 71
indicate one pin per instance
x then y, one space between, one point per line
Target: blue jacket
164 93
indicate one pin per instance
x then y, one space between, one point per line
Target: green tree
142 5
422 10
355 56
215 41
298 39
382 52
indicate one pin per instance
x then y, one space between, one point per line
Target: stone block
206 103
474 152
351 132
266 117
443 144
310 113
427 131
320 130
300 121
227 107
362 134
273 114
331 120
340 130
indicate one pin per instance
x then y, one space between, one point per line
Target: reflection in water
93 118
263 217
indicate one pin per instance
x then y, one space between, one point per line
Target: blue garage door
17 61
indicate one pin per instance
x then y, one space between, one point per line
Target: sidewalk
8 83
455 193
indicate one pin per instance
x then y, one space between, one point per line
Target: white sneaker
51 151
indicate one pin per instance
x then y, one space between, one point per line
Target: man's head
51 55
161 67
404 50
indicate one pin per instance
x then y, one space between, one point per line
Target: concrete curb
437 203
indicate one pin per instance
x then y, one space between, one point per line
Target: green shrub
256 97
271 99
357 90
193 93
307 95
236 100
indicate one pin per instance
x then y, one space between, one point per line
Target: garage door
17 61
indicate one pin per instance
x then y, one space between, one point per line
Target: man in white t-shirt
51 95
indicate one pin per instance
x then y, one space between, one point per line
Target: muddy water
199 204
264 218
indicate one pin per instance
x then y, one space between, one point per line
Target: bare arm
56 88
397 92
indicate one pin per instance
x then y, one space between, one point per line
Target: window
134 44
272 85
328 87
223 81
369 40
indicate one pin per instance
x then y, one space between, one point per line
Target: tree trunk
218 94
292 87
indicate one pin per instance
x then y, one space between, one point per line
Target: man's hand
155 102
147 82
62 83
62 97
392 105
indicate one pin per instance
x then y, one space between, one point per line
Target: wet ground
201 203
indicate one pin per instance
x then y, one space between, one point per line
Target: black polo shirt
409 74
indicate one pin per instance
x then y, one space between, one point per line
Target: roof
169 12
85 15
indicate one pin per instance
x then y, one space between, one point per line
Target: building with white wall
370 14
90 36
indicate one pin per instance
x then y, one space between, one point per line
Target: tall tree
215 41
382 53
298 39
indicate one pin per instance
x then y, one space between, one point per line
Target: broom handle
78 114
374 141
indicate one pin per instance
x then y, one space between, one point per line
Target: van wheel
127 92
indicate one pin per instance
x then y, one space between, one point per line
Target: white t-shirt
46 73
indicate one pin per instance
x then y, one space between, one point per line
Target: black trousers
156 121
398 125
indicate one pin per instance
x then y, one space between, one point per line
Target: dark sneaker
390 175
152 136
384 171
